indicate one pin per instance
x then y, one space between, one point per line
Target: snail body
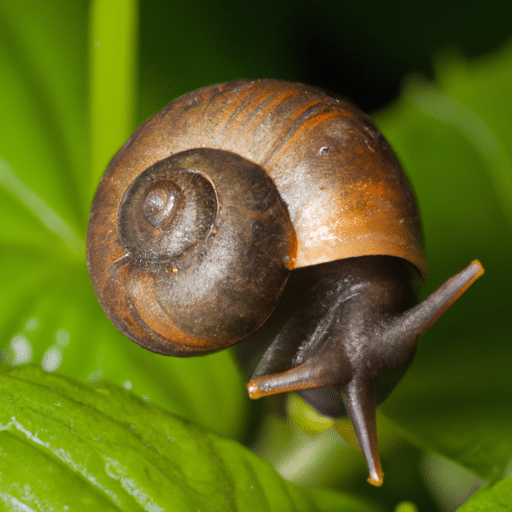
228 193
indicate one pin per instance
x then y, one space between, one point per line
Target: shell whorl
207 245
166 212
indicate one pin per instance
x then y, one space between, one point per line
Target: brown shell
343 187
345 191
196 255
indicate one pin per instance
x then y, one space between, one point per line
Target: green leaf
453 137
42 98
491 498
78 447
49 314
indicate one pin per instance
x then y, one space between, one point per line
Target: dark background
360 50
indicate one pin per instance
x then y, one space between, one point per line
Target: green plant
453 137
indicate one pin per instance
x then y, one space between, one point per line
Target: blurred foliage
440 80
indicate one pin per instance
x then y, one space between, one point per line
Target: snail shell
199 231
329 185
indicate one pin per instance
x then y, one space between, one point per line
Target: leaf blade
134 455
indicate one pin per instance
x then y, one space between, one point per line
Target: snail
269 203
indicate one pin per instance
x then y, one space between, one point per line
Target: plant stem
113 27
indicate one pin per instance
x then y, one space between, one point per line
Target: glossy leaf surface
79 447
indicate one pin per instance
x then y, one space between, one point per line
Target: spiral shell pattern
199 252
